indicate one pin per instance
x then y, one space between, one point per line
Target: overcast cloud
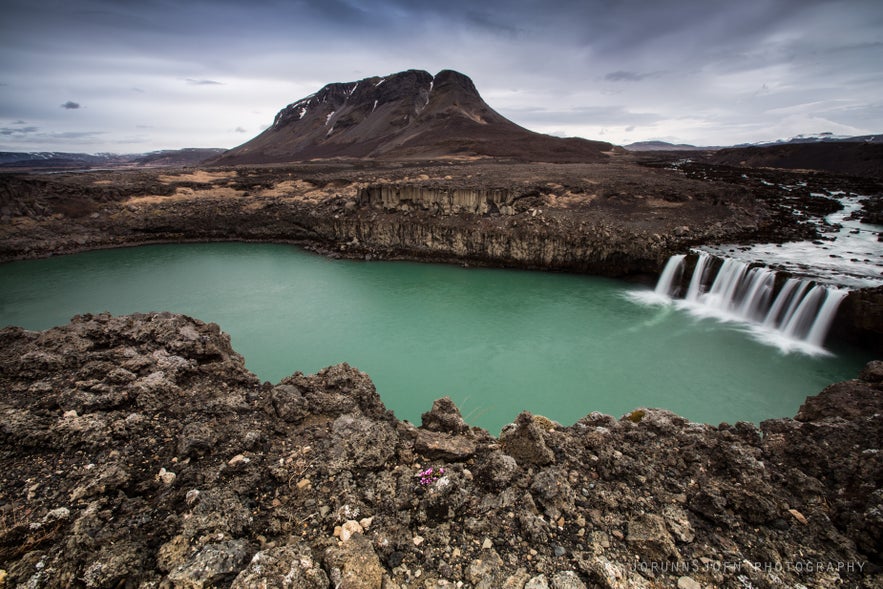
151 74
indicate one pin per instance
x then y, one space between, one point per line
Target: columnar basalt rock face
537 244
443 201
139 451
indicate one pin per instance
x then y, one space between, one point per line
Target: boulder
284 567
524 442
354 564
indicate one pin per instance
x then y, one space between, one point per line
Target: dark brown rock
354 564
285 567
496 470
444 417
524 442
872 372
441 446
648 535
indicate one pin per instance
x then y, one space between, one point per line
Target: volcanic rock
257 499
286 567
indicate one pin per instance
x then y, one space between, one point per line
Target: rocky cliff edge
139 451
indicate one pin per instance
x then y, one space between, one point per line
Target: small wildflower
430 475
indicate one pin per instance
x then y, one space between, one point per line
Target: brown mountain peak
409 114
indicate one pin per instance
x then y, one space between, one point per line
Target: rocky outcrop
138 451
862 312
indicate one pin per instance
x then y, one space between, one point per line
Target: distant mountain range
819 138
663 146
852 156
799 139
52 160
408 115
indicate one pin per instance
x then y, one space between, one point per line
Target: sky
135 76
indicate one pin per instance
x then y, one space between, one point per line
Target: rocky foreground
138 451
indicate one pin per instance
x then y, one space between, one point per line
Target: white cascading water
825 316
774 315
801 311
670 275
800 322
722 294
695 288
754 305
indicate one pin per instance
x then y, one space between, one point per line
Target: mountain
798 139
663 146
189 156
55 160
826 137
853 158
407 115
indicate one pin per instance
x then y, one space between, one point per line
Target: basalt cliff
137 451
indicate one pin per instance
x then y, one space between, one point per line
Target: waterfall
773 317
800 322
760 287
793 304
695 288
825 316
723 289
801 310
670 274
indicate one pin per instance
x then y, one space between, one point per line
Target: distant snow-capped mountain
47 160
825 137
663 146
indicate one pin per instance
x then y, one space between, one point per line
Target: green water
495 341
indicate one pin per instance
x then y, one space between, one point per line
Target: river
495 341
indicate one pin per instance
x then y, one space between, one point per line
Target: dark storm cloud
71 105
17 130
76 134
27 137
622 76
